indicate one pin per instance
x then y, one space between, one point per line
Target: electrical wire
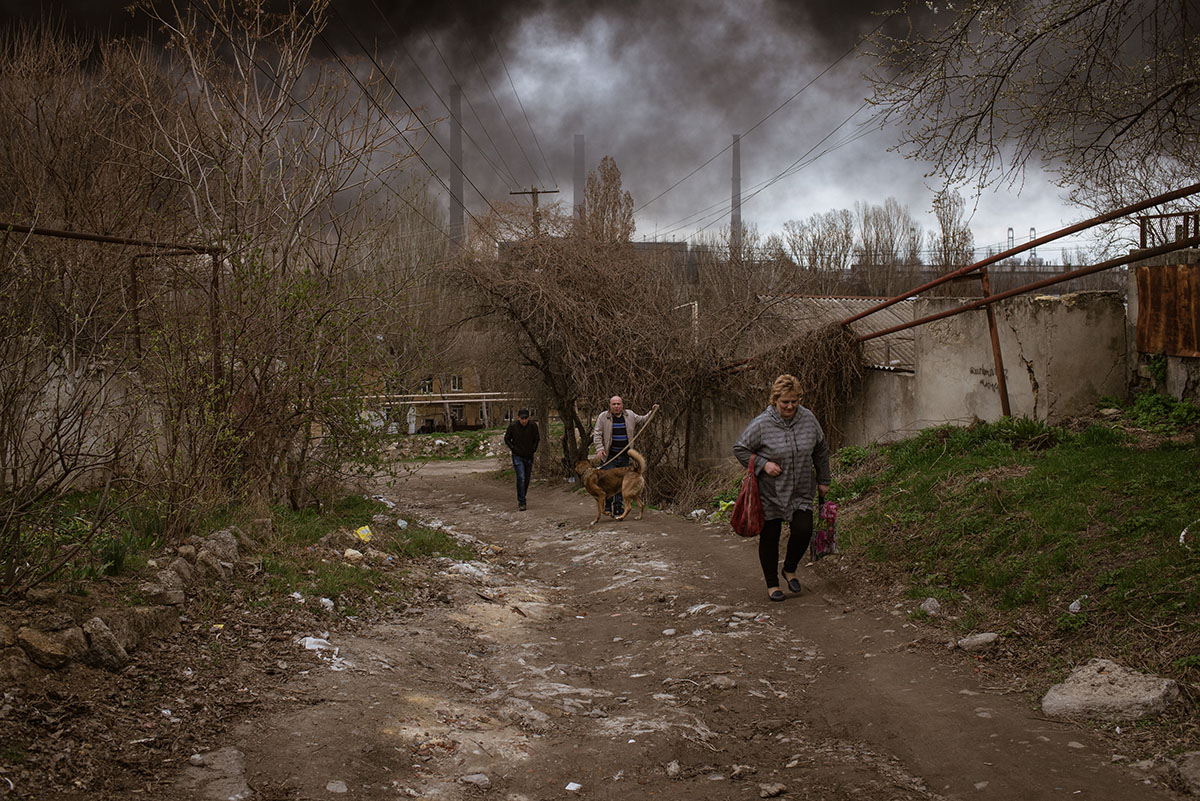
496 100
511 178
478 119
800 163
312 116
333 52
798 92
526 116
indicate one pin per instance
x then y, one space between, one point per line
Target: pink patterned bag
824 539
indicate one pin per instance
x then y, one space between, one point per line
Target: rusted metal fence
1169 309
163 249
1181 242
1185 224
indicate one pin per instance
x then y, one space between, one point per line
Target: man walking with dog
522 438
614 429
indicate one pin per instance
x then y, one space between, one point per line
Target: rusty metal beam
1136 255
110 240
997 356
1103 218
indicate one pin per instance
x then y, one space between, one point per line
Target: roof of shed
890 352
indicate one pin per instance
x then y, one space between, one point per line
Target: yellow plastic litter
364 533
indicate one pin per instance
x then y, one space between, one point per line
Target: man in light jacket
612 434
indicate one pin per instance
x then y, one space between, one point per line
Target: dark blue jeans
616 504
523 468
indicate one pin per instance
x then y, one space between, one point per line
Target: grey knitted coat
798 447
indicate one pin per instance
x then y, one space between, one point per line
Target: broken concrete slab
1104 690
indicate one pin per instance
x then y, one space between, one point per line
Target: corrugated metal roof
893 351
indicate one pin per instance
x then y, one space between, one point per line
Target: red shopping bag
748 518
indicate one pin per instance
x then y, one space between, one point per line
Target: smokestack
456 174
735 206
580 178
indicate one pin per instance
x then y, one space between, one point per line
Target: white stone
976 642
1104 690
477 779
931 607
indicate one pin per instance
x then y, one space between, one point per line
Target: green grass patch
298 563
307 526
1027 518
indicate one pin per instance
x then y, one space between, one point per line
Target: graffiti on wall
987 377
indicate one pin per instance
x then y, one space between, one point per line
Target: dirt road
641 660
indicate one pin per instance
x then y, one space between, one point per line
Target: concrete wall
1061 355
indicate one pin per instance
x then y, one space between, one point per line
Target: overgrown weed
1008 523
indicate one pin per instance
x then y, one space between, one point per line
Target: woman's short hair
786 384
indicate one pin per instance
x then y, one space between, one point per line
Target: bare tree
1101 91
888 244
196 378
822 245
71 156
658 335
953 244
276 158
608 209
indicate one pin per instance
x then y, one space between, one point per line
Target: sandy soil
641 660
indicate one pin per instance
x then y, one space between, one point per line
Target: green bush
1162 413
851 456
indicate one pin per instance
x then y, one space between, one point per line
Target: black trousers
800 532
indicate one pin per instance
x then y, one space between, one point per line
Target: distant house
449 402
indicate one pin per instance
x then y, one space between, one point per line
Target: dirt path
642 660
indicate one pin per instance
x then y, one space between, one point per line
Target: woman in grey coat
792 464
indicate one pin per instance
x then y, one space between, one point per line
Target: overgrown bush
232 366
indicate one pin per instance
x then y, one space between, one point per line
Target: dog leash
629 444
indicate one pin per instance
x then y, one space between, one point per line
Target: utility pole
735 201
456 174
580 180
533 190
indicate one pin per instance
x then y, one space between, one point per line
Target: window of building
426 384
456 383
458 411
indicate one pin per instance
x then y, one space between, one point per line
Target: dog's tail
639 461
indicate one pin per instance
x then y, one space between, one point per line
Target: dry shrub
827 361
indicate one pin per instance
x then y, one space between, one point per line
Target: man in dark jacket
522 438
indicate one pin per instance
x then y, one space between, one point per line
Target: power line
511 176
798 92
471 106
525 115
312 116
800 163
499 107
411 110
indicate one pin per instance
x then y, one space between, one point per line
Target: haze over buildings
661 87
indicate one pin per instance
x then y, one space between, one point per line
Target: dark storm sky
660 86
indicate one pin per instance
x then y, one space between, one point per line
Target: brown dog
603 484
